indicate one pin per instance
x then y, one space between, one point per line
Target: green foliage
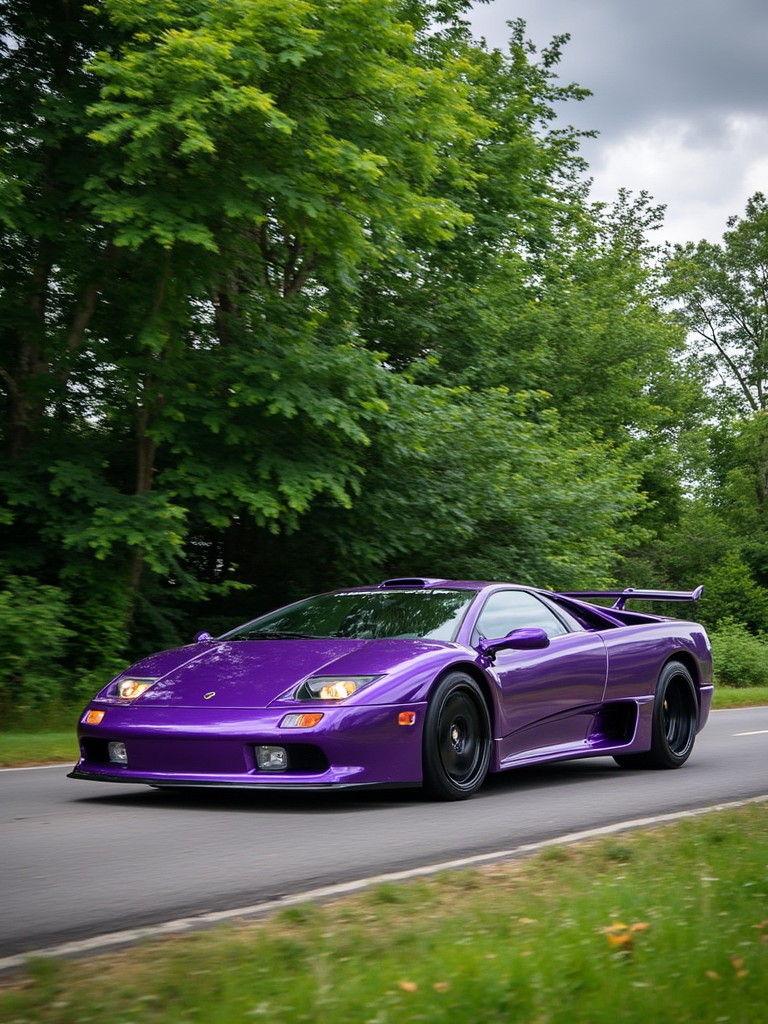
739 477
228 123
740 658
724 305
722 301
721 537
594 333
472 485
264 424
293 295
455 301
719 533
701 547
35 625
730 592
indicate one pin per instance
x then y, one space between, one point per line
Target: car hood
257 673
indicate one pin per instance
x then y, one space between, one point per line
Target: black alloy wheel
457 739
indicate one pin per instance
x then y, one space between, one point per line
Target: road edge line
112 940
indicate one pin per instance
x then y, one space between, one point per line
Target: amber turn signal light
307 721
406 718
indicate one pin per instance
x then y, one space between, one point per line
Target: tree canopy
305 294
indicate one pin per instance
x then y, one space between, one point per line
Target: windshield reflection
371 615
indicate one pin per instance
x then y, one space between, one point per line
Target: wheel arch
476 673
687 660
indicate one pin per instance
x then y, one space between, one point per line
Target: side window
514 609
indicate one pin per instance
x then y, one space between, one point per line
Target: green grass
741 697
39 737
669 924
27 744
25 748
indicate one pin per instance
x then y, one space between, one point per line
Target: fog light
272 759
117 752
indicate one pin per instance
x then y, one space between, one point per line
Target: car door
548 697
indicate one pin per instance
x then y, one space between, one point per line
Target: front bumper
351 746
180 783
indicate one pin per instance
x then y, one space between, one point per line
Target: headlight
332 687
130 688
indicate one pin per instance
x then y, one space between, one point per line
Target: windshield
368 615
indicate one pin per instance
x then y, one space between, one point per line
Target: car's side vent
615 723
410 581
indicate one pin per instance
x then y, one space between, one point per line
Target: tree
289 278
54 258
722 292
187 192
480 485
444 303
461 484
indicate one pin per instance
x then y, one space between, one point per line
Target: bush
740 658
33 638
731 594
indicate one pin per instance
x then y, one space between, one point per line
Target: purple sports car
412 682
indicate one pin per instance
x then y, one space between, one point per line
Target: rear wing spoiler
622 596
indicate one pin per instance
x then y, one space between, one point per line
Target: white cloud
701 185
680 98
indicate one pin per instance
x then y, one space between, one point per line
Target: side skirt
621 727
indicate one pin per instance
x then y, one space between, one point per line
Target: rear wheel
675 715
457 739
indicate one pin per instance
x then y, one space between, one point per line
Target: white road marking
102 943
745 707
757 732
38 767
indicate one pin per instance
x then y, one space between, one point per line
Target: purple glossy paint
412 682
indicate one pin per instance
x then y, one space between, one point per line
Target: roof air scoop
409 581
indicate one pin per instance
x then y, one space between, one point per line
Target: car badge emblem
207 696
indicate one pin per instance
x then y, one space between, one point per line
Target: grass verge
667 924
18 749
29 746
740 697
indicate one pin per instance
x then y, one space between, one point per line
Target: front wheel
457 739
675 716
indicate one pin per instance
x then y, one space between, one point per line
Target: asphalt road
79 859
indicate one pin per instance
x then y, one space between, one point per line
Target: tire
457 739
675 716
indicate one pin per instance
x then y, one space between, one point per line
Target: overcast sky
680 97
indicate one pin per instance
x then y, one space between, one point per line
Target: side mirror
529 638
203 637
